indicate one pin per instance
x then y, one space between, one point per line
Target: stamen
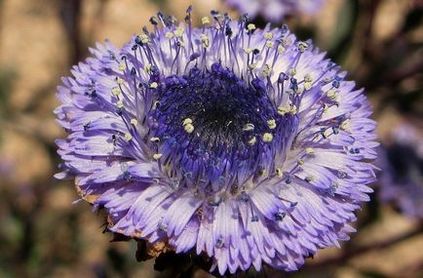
267 137
157 156
134 122
205 20
248 127
127 137
271 123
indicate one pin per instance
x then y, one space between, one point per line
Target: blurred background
42 234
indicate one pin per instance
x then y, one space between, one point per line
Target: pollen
134 121
189 128
116 91
269 44
154 85
147 68
332 94
268 35
267 70
282 110
169 35
293 109
302 46
127 137
278 172
252 141
205 20
308 78
155 139
307 85
179 32
186 121
144 38
248 127
309 178
271 123
251 27
248 50
267 137
119 104
345 125
204 40
309 150
122 66
157 156
119 80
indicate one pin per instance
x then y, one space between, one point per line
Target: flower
275 10
243 145
402 164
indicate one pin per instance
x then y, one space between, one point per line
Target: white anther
302 46
204 40
154 85
307 85
252 66
293 109
134 121
119 80
205 20
186 121
122 66
116 91
282 110
332 94
279 172
267 137
252 141
310 178
345 125
169 35
147 68
248 127
157 156
267 71
251 27
179 32
309 150
189 128
268 35
271 123
248 50
119 104
155 139
308 78
144 38
269 44
127 137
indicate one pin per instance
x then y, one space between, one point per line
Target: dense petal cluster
402 170
243 145
275 10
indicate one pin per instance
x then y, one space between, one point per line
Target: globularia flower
243 145
402 176
275 10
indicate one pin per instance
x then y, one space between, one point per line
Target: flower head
275 10
402 177
240 144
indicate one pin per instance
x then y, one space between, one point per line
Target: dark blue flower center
213 124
